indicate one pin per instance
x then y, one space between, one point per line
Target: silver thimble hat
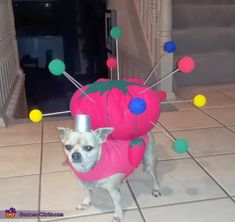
82 123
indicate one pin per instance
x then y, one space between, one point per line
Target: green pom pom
116 32
180 145
56 67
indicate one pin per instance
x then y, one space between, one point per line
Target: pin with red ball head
185 65
111 63
169 47
57 68
179 145
116 33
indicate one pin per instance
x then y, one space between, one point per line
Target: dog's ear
63 133
102 133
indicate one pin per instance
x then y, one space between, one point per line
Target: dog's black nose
77 157
68 147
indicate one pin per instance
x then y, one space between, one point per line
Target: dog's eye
68 147
88 148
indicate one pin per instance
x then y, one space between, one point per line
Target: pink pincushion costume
118 156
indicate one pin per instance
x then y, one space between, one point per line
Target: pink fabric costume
117 156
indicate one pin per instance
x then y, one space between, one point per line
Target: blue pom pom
137 106
169 47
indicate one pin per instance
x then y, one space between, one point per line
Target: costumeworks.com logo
12 213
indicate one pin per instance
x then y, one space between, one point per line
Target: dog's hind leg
150 163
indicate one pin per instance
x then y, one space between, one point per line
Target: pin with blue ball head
169 47
137 106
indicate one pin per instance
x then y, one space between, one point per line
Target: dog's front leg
116 197
87 201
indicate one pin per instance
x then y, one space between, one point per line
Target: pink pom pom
111 62
162 95
186 64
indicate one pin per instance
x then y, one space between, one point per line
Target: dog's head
83 149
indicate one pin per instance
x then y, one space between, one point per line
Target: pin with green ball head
116 33
180 145
57 68
169 47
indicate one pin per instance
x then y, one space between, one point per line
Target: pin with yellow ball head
198 101
36 115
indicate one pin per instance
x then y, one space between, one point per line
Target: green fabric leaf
137 141
102 87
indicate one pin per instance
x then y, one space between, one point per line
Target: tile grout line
189 157
223 93
216 120
40 172
34 174
198 163
195 128
19 144
206 171
136 202
222 125
85 215
185 202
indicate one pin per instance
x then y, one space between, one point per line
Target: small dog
84 151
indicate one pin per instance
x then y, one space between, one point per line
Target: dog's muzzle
77 157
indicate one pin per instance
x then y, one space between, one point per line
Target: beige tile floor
197 186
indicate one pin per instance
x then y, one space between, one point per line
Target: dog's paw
83 206
156 193
117 219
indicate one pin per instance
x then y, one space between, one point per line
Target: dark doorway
71 30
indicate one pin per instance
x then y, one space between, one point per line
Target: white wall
134 57
37 46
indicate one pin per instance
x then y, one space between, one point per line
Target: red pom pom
137 80
102 80
111 62
186 64
162 95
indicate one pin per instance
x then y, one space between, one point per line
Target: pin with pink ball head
169 47
111 63
57 68
185 64
116 33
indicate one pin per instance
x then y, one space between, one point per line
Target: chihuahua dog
85 152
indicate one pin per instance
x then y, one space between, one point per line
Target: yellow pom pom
35 115
199 100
